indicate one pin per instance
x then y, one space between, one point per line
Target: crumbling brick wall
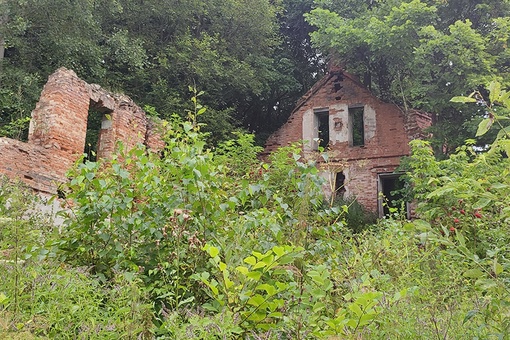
58 129
387 132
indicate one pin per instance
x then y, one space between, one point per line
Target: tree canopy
420 53
254 59
245 55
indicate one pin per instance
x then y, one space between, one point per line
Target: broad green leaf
259 265
242 269
228 283
268 259
462 99
250 260
461 239
256 300
356 309
257 317
484 126
469 315
505 144
279 251
474 273
481 203
504 97
3 298
281 285
275 315
497 268
286 259
277 303
213 288
494 91
366 318
270 290
316 277
352 323
421 225
213 251
503 132
318 306
254 275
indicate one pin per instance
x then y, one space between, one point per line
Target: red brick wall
381 153
58 129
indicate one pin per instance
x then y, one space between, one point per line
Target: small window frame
357 125
322 128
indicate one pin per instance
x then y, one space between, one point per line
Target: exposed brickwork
387 132
58 128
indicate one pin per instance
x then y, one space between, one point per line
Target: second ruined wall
58 129
387 132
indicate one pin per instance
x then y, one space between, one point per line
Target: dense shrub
42 297
357 217
207 244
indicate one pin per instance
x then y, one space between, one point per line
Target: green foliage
239 154
357 217
16 102
25 232
420 53
199 243
151 215
468 188
236 51
40 297
496 114
61 302
253 290
464 201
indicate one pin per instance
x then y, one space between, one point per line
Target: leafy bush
44 298
357 217
198 244
61 302
464 200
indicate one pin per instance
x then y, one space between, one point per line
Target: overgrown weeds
202 245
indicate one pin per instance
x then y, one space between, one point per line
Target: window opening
392 197
357 126
322 118
96 119
92 137
340 185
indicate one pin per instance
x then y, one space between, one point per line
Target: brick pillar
59 120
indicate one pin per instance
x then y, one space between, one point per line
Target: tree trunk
2 49
3 20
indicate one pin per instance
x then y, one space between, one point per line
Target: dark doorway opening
391 194
340 185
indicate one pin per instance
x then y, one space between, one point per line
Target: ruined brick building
58 129
364 137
